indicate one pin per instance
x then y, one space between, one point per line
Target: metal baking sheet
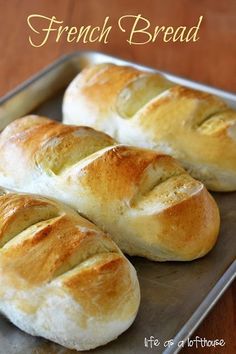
175 296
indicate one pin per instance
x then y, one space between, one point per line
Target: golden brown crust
43 142
124 170
52 247
17 212
58 241
199 214
100 289
187 134
41 240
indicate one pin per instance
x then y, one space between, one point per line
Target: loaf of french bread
61 277
147 110
145 200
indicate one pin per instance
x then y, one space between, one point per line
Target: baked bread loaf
61 277
147 110
149 204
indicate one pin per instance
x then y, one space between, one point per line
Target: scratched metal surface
175 296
